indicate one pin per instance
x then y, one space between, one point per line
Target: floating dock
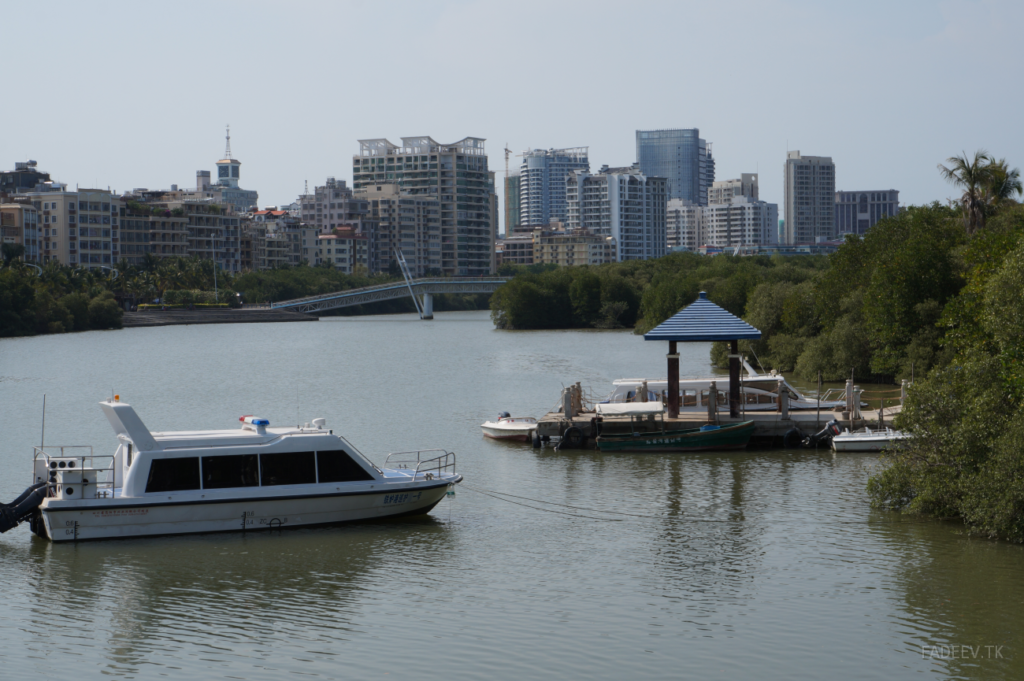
769 426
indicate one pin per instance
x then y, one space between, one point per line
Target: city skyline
136 144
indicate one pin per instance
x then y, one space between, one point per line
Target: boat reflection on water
228 594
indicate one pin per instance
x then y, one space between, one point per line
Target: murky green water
758 564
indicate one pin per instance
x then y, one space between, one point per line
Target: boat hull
862 444
522 435
123 518
729 437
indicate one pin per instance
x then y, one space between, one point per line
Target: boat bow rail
419 463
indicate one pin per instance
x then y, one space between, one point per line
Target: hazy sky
137 94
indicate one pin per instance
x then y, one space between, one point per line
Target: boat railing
96 470
421 463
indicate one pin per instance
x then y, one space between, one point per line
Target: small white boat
252 478
867 440
509 428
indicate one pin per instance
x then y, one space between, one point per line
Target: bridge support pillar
428 305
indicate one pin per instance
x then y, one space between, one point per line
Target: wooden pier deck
770 427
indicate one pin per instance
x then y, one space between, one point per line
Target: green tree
973 176
104 312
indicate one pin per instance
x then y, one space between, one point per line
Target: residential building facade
19 225
404 221
456 175
810 188
683 224
142 232
622 203
23 178
570 248
681 157
345 249
857 212
516 249
542 177
740 221
77 228
511 203
723 191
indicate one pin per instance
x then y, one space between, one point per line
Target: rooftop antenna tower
227 148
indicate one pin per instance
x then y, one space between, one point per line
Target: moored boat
252 478
867 440
705 438
508 427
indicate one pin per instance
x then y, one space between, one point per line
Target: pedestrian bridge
422 291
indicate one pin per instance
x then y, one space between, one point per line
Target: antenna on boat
42 436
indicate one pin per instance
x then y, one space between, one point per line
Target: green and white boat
705 438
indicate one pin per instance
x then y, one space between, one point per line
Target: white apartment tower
542 183
810 189
622 203
722 192
683 224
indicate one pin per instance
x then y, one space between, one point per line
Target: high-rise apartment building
723 191
740 221
857 212
810 188
623 203
511 203
77 228
335 205
456 175
682 224
681 157
404 221
542 185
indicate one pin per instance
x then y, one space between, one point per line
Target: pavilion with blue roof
702 320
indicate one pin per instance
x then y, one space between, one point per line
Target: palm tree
974 177
1004 183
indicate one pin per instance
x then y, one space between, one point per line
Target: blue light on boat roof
254 420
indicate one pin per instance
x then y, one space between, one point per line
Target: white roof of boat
126 423
630 408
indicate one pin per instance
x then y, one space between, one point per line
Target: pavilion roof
702 320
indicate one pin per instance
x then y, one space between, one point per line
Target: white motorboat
758 392
252 478
510 428
867 440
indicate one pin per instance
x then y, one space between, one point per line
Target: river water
758 564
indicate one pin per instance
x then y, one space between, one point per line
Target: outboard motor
22 508
824 436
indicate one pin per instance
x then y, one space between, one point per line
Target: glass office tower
681 157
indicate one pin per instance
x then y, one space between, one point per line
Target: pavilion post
673 380
734 379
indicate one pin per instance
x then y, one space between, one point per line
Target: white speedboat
758 392
252 478
867 440
509 428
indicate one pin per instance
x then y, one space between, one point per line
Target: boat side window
689 398
338 466
239 470
173 475
129 455
298 468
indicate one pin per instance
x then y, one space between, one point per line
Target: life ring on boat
572 438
